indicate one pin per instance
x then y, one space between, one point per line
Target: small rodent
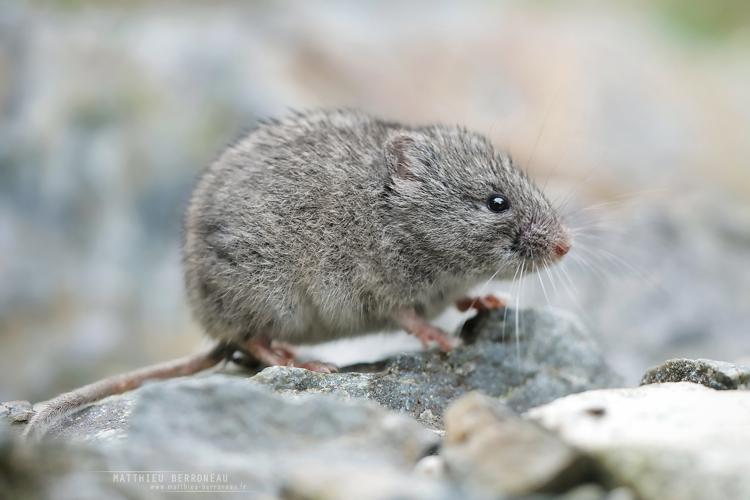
326 225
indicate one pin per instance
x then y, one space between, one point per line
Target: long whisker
589 265
513 284
547 266
567 283
518 316
483 287
518 299
544 290
619 200
625 265
564 273
562 204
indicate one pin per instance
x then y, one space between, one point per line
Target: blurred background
634 115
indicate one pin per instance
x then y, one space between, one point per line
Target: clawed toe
281 354
317 366
436 335
486 303
425 332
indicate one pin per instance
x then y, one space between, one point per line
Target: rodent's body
332 224
281 237
289 235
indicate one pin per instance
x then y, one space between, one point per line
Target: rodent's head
454 199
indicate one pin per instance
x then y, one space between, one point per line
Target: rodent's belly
319 333
347 320
325 326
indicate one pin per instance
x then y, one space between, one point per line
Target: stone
16 411
319 481
236 435
596 492
662 441
551 355
431 466
488 444
714 374
233 414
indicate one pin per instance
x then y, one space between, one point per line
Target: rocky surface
238 436
552 355
411 427
549 356
714 374
296 434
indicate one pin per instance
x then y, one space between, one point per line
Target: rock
596 492
233 414
253 442
663 441
431 466
320 482
557 357
665 296
714 374
551 356
107 420
14 415
16 411
50 470
17 479
488 444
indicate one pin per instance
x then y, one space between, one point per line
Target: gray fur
328 224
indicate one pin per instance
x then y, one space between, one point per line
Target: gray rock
219 432
108 420
596 492
14 415
663 441
670 280
491 446
321 482
718 375
551 356
16 412
52 470
236 415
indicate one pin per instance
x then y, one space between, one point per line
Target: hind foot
480 304
317 366
282 354
427 333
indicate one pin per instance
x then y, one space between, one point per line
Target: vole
331 224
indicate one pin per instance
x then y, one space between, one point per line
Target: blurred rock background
638 110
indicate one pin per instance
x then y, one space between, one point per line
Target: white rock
667 441
490 446
431 466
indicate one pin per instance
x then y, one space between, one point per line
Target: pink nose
562 248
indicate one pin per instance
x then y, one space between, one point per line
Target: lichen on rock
714 374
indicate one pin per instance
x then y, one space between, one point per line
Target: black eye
497 203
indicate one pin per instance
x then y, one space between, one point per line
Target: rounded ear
408 154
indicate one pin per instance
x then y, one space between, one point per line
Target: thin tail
118 384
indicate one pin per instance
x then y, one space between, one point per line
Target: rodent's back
279 228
